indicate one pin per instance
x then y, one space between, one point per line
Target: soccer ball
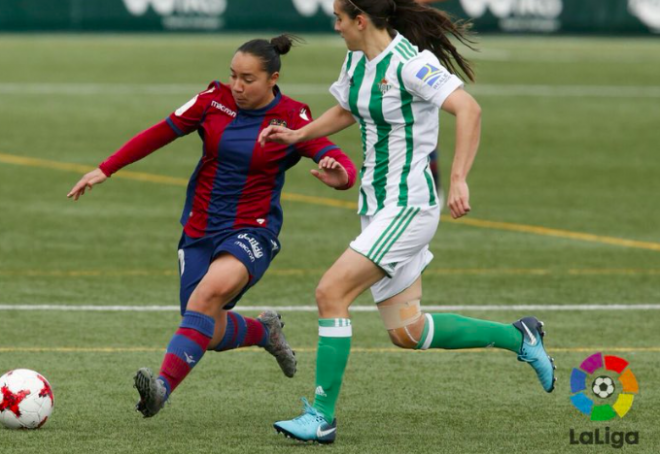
26 399
603 387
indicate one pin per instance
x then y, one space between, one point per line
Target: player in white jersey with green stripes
396 76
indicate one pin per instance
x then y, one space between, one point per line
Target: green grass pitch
565 212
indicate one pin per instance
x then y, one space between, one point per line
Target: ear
361 21
272 80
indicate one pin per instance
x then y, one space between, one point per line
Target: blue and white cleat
310 426
533 352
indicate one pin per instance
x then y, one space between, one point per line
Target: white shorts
397 240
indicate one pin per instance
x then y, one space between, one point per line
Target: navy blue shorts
255 248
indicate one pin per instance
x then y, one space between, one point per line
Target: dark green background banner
537 16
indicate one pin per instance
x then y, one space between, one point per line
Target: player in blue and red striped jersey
232 216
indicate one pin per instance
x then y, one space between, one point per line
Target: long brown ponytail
427 28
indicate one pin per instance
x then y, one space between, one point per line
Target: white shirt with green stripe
395 98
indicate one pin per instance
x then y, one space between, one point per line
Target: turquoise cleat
533 352
310 426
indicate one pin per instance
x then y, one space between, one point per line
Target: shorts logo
254 244
595 384
274 244
246 249
429 74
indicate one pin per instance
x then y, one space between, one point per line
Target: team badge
384 86
278 122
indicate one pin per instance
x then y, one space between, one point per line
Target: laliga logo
603 388
548 9
602 385
309 8
169 7
648 11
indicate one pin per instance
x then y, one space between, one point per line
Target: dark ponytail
425 27
269 51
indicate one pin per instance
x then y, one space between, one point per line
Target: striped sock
186 348
331 359
242 332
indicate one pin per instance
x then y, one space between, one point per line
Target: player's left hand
459 199
331 173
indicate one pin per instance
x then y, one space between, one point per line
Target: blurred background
538 16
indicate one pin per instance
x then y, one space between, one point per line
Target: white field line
110 89
371 308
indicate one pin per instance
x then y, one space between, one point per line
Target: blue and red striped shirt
237 182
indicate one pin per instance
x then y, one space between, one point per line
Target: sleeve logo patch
429 74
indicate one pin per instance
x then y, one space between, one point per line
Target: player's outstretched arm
332 121
90 179
135 149
468 132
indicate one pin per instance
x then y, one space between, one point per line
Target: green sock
455 331
331 358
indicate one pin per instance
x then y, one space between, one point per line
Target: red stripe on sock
195 336
255 332
174 369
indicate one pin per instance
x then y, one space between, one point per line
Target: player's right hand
86 182
279 134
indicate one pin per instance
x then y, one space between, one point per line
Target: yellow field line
313 350
559 233
496 225
318 271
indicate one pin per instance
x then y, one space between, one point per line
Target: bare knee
331 301
209 299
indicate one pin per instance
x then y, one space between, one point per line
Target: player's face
251 86
348 28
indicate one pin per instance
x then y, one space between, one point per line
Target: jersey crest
278 122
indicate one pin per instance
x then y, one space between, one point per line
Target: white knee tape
400 315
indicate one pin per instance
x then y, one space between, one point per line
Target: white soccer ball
603 387
26 399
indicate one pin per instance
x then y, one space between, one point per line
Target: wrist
457 178
301 135
105 170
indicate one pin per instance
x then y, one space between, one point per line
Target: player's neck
264 102
375 42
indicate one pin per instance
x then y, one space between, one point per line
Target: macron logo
320 392
224 109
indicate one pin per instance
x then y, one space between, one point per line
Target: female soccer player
232 216
397 74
